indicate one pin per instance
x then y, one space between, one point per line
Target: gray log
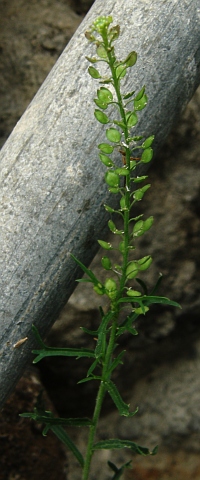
51 180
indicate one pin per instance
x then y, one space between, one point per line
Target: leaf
144 262
120 71
132 270
142 226
62 435
149 299
122 171
116 443
62 352
106 263
92 60
133 293
112 179
122 407
93 333
131 119
113 135
101 52
88 379
163 300
100 104
118 471
101 117
140 94
93 72
37 336
128 95
51 420
114 32
148 142
116 362
105 245
140 179
104 95
106 160
102 333
106 148
140 104
131 59
109 209
138 194
86 270
147 155
92 367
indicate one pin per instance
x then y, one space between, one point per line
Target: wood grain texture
52 189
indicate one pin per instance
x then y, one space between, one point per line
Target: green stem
126 215
99 400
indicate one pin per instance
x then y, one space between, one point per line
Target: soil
165 357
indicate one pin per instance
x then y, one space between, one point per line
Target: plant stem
99 400
109 352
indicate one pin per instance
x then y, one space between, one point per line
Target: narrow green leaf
116 362
37 336
102 334
119 471
148 300
93 333
122 407
62 435
92 367
88 379
62 352
116 443
86 270
51 421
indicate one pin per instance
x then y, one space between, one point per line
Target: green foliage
123 288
